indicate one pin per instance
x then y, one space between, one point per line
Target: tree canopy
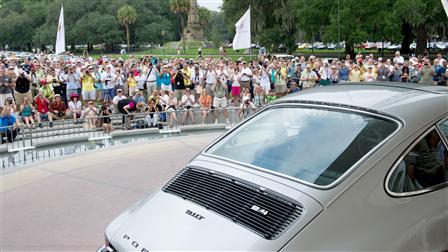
25 24
281 23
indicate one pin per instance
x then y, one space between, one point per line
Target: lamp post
163 42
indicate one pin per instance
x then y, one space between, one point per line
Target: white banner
60 36
242 32
445 6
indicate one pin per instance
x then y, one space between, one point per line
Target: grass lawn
160 56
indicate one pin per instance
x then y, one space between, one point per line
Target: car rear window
311 144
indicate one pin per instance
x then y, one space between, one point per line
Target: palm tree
204 17
181 7
127 15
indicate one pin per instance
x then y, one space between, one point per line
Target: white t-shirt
108 78
236 80
117 98
247 71
73 106
210 77
222 75
369 77
265 78
188 102
163 100
153 75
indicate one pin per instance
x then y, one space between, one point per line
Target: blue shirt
344 73
7 121
165 79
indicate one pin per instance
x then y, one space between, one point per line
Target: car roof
402 100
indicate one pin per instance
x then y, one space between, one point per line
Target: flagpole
250 44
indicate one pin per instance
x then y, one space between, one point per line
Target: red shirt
42 105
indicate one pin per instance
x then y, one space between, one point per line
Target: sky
210 4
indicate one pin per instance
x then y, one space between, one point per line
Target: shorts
280 88
219 102
89 95
178 93
21 96
166 87
236 91
133 90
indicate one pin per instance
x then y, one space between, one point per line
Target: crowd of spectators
44 89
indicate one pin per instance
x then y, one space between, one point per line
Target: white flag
60 37
445 6
242 32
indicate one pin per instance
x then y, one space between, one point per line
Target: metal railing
22 137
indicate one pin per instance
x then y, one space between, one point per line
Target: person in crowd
308 77
109 81
246 75
205 102
426 73
42 113
118 97
171 107
88 86
187 103
47 90
210 78
369 76
325 75
22 87
54 82
152 118
197 79
72 80
74 107
57 108
355 74
220 100
99 87
271 96
106 121
179 83
90 114
26 110
236 87
6 83
165 79
8 125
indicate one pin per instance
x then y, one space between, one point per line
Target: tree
127 15
422 15
204 16
181 7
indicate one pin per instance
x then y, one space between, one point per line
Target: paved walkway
65 205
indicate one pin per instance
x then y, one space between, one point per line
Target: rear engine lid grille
262 211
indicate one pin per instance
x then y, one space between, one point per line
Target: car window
314 145
423 167
444 128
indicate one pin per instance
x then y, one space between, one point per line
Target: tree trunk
349 49
422 39
406 31
126 26
182 33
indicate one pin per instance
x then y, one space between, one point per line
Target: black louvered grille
259 210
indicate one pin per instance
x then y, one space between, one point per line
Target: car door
419 180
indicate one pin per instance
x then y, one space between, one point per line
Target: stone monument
194 31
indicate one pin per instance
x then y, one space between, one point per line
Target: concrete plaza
66 204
